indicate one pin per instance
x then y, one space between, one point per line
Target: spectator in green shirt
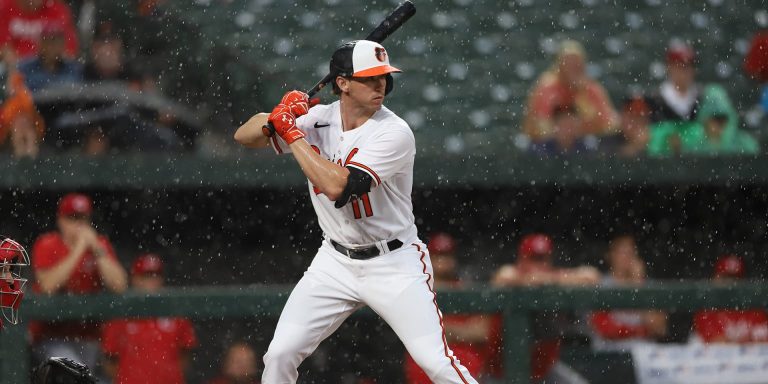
715 131
720 122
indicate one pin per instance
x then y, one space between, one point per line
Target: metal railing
515 305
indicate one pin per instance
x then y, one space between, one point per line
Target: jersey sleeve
45 254
707 326
110 338
385 154
186 337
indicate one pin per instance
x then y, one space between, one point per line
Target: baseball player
358 156
12 258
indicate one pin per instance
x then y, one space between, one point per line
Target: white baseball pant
398 286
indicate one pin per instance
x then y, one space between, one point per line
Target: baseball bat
390 24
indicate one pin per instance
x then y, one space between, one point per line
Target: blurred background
629 128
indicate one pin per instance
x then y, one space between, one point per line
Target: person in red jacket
147 350
730 326
240 365
620 329
73 260
22 22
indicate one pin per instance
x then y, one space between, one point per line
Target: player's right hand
299 102
284 122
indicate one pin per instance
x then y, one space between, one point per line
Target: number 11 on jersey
366 206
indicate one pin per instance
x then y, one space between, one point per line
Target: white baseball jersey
384 148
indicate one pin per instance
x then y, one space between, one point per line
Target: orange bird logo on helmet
381 54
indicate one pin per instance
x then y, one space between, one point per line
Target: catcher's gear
12 258
61 370
362 58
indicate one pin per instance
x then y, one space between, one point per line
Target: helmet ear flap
390 84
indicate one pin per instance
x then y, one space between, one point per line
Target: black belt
365 253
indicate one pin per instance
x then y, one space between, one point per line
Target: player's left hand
299 102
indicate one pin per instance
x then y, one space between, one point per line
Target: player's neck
353 115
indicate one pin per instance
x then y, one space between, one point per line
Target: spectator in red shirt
147 350
619 329
240 366
22 22
74 260
467 334
730 326
534 267
567 84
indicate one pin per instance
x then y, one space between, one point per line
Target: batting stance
358 156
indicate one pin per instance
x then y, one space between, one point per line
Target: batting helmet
12 257
362 58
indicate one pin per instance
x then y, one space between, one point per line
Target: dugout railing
239 301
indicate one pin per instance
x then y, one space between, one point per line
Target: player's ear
342 83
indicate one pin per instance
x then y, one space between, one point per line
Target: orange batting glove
299 102
284 122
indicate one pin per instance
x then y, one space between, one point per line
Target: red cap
441 242
680 53
75 204
536 246
147 263
729 266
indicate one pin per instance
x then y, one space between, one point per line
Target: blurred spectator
567 84
620 329
467 334
534 267
239 366
632 140
106 59
20 123
675 106
74 260
22 23
567 139
51 66
147 350
756 64
730 326
720 122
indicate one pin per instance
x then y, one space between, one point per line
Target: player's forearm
328 177
112 274
250 134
